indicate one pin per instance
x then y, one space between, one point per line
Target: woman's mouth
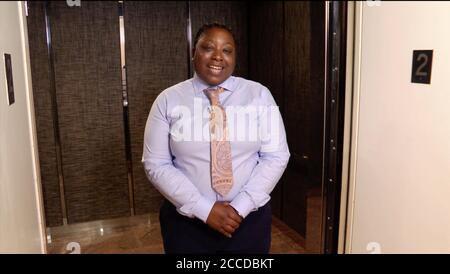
215 68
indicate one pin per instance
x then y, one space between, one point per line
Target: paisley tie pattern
221 167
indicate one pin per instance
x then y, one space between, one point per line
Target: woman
217 183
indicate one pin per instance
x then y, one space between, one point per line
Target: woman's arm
273 159
161 172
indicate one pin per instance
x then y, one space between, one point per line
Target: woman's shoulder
186 84
174 91
247 83
255 90
254 87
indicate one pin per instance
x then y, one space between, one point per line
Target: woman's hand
224 218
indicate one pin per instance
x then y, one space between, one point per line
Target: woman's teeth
215 68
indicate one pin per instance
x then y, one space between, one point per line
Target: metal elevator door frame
335 76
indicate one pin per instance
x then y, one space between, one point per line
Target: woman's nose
217 56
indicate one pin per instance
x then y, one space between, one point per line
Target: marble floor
141 234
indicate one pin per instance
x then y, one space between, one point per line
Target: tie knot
213 94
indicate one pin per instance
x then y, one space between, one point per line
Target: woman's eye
207 48
227 51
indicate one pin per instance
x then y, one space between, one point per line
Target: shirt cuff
202 209
243 204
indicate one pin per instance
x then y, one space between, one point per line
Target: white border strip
354 124
347 125
32 125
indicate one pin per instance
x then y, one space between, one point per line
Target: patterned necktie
221 168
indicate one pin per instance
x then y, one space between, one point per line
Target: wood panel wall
286 50
156 58
41 78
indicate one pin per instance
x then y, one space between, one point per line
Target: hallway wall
399 180
21 206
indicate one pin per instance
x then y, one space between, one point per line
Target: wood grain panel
265 49
40 74
303 78
89 97
156 58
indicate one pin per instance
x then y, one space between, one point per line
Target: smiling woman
214 53
217 190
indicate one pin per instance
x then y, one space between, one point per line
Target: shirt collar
200 85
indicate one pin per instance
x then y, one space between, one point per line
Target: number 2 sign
421 66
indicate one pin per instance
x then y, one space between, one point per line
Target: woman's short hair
208 26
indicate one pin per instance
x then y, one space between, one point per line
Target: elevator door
85 84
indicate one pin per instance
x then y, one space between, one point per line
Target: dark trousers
184 235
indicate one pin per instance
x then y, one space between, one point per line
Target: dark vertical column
234 15
316 190
304 66
265 44
296 79
42 94
156 58
317 82
89 98
334 123
126 121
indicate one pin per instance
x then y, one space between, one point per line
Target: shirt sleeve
273 159
161 172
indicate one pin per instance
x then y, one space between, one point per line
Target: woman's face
215 56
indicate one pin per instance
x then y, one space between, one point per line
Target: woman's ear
193 54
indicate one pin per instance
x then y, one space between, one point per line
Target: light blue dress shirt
176 154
